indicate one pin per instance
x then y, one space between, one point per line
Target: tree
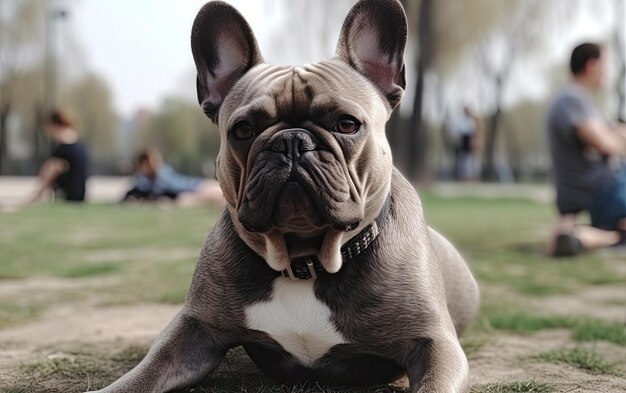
521 35
183 134
440 31
21 49
28 79
619 37
90 99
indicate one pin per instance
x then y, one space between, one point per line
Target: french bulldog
321 266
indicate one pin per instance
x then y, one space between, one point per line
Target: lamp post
3 112
51 60
50 74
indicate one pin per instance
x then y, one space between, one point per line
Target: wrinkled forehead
298 93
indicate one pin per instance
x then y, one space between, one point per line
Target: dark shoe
567 245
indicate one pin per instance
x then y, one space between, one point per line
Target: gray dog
322 266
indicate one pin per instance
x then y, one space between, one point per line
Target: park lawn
133 255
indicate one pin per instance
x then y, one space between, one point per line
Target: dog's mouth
299 245
296 212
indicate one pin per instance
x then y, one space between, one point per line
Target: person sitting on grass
65 172
586 151
154 180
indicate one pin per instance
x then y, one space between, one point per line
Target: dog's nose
293 142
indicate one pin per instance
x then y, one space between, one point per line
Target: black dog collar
304 268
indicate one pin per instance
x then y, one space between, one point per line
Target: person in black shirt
66 171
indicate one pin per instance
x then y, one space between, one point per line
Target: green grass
525 323
599 330
505 246
579 358
89 270
583 329
53 240
515 387
136 246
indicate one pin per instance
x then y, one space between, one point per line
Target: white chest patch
296 319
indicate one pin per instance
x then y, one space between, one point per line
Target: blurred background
125 70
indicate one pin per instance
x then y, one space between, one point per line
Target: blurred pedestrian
464 130
155 180
587 170
65 172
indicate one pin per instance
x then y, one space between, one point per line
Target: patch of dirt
91 325
507 359
593 302
124 325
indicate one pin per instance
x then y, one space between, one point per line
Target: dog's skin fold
305 167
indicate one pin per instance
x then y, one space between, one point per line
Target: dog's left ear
372 41
224 49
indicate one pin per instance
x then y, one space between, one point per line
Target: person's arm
620 128
596 134
52 168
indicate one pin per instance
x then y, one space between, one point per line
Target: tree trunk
620 38
415 129
4 150
489 169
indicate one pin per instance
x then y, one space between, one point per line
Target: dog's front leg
438 365
185 352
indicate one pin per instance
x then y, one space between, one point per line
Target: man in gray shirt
582 145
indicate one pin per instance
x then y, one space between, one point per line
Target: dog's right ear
224 49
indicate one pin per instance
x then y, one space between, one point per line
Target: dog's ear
372 41
224 49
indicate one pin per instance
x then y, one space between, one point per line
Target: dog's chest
296 319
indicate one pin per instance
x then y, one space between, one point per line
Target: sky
142 47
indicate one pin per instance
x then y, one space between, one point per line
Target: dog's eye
347 125
243 131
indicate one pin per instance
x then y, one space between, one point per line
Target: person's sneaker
567 245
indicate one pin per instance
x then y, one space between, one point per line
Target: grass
111 255
525 323
53 240
505 246
473 344
12 313
583 329
515 387
579 358
135 246
90 270
77 371
599 330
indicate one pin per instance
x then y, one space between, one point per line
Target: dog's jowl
321 266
